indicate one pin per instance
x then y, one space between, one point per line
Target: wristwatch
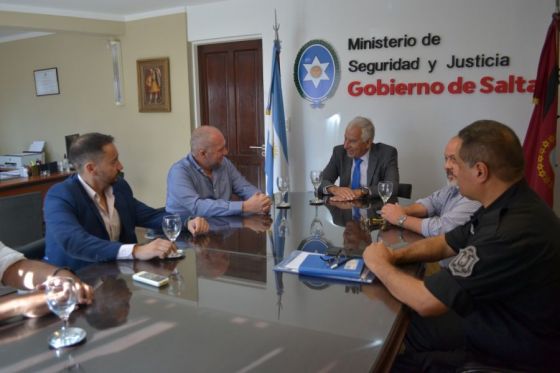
365 191
401 220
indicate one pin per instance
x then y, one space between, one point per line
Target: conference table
225 308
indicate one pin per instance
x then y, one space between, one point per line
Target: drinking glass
316 179
283 184
171 225
385 189
62 299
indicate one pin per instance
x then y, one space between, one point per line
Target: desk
31 184
225 309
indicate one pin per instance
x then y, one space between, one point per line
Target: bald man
203 182
440 212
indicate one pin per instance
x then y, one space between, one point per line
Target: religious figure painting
154 94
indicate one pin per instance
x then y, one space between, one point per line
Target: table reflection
224 299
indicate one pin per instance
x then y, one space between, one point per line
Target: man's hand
392 212
377 255
198 225
159 248
259 203
343 193
83 290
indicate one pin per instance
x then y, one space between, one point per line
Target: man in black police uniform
499 300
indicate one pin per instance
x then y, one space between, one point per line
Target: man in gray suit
360 164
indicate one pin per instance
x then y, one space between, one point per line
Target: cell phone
151 278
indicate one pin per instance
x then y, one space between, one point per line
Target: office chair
33 250
21 223
405 190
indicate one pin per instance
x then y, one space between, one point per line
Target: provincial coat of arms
316 72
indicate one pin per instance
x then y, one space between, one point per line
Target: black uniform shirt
505 280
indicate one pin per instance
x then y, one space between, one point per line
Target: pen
339 262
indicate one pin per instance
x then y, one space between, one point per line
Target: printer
21 159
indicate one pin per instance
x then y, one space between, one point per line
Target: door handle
262 148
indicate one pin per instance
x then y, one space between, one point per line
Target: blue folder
311 264
314 265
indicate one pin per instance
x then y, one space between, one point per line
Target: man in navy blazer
377 162
92 215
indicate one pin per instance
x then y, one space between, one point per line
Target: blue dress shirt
447 209
190 192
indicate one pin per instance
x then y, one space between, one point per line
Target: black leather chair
405 190
33 250
21 223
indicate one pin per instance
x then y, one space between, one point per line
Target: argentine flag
276 159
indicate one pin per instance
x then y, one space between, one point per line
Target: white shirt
111 217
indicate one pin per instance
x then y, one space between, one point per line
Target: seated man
438 213
91 216
375 163
202 183
18 272
499 300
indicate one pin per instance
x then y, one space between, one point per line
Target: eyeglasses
333 261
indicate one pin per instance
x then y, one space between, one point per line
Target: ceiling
116 10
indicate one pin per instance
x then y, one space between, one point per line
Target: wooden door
231 98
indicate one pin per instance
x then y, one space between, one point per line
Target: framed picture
154 93
46 82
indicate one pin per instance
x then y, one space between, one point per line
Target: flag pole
276 26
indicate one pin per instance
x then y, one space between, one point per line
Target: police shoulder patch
463 264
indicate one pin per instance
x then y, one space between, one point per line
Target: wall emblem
316 72
463 264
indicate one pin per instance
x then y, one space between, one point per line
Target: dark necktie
356 174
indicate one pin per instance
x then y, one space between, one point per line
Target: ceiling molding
91 15
60 12
25 35
155 13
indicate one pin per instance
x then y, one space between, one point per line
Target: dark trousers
433 344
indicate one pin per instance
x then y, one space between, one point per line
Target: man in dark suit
360 164
91 216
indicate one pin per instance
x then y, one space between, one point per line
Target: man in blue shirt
203 182
441 211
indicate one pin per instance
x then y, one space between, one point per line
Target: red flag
540 140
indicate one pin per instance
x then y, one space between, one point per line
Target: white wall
419 126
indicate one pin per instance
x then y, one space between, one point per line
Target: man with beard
91 216
498 301
359 164
203 182
440 212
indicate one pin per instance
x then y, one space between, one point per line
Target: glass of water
172 225
283 184
62 299
385 189
316 179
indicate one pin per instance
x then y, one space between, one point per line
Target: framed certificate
46 82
